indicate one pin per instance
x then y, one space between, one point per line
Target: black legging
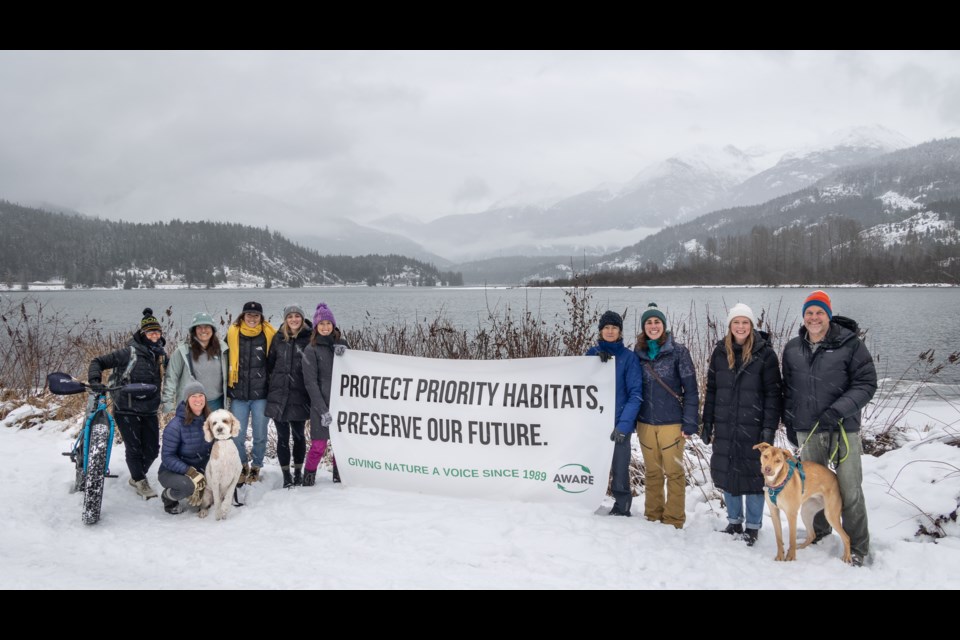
141 442
283 442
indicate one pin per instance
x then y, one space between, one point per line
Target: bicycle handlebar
63 384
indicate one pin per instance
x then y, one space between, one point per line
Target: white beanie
743 310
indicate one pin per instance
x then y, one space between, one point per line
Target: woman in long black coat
743 406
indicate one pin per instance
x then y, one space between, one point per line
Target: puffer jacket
675 367
629 383
287 398
840 374
742 408
146 369
317 374
184 445
252 384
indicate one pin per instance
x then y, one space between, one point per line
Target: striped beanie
149 321
818 299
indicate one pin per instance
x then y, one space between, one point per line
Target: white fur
224 467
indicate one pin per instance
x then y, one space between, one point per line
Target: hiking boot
143 488
616 511
297 477
243 475
750 536
734 529
253 475
170 505
336 474
856 560
309 478
287 479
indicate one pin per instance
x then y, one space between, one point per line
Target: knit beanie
192 388
818 299
652 312
293 308
741 310
611 317
149 321
323 313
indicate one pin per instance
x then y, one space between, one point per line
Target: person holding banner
668 416
629 396
317 377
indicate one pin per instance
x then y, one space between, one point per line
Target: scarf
233 344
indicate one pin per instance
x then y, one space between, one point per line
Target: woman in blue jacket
629 395
668 416
185 452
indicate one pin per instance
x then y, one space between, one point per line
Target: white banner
534 429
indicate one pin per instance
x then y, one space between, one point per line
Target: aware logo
573 478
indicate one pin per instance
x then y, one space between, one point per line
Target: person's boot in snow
254 475
297 476
143 488
287 478
170 505
309 478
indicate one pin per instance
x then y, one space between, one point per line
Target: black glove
830 419
767 435
96 386
339 349
707 434
618 437
604 356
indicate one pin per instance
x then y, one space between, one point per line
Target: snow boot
750 536
170 505
253 475
287 478
734 529
309 478
143 488
297 477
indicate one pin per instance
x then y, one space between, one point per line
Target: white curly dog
224 468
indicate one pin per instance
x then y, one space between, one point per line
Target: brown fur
820 491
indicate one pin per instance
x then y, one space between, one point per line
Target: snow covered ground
334 536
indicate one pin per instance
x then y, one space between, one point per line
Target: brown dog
818 490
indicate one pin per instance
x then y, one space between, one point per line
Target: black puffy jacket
839 374
146 369
287 398
742 408
252 384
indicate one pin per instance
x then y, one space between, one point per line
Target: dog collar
775 491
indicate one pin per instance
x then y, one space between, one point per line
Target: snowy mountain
671 191
907 202
800 169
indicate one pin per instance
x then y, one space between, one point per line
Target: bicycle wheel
96 468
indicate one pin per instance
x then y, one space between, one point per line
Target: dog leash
836 448
794 466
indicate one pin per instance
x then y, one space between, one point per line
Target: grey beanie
293 308
192 388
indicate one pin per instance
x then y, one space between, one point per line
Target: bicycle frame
100 400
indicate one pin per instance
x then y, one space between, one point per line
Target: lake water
902 322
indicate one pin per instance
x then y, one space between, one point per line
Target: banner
534 429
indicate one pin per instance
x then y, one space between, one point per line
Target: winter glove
604 356
339 349
96 386
707 434
326 419
618 437
830 419
199 483
767 435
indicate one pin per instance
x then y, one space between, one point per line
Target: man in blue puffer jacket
629 396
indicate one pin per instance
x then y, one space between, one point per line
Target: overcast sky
150 136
